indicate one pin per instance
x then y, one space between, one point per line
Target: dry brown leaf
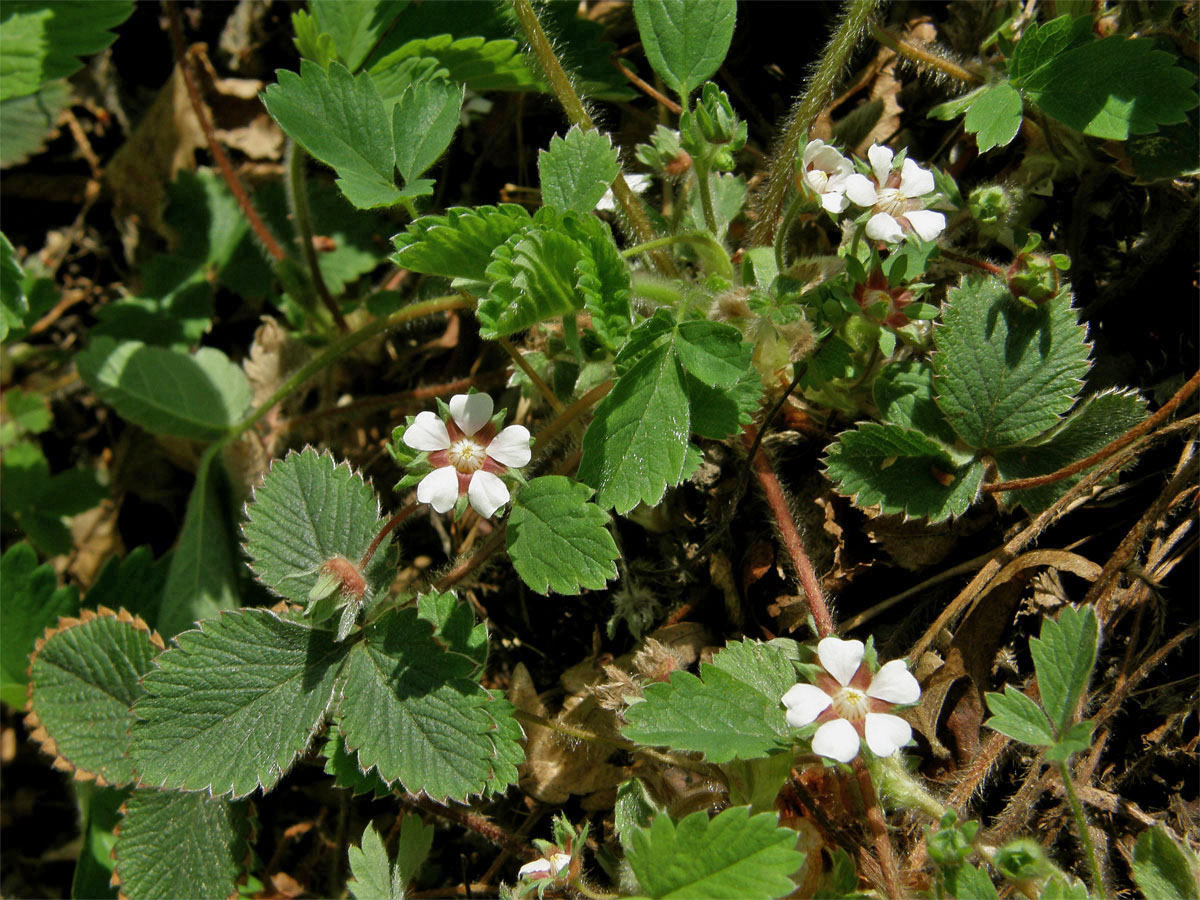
96 539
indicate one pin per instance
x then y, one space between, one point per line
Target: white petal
427 432
885 734
882 227
895 684
607 203
511 447
837 740
487 493
881 162
840 658
834 201
471 411
804 703
439 488
558 862
537 867
638 183
811 151
926 223
860 190
915 181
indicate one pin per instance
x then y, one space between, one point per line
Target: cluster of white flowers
897 197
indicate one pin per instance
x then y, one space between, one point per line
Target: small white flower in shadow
545 868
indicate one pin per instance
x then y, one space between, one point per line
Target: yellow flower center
851 703
466 455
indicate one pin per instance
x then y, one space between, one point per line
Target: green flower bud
991 204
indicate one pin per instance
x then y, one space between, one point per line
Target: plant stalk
883 843
710 216
1085 836
297 186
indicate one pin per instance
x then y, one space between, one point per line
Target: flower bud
991 204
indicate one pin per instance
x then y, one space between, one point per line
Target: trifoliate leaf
717 413
1004 372
30 602
685 40
409 710
423 122
557 539
903 471
733 855
1075 739
1063 657
44 40
637 443
1094 423
310 41
27 122
172 844
196 396
340 120
1163 867
458 244
995 116
307 511
375 874
576 170
1018 717
476 62
765 666
235 703
904 394
84 677
355 27
533 280
713 352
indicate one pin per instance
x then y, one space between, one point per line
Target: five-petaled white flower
824 170
851 704
545 868
895 198
467 454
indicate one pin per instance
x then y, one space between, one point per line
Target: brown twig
883 844
921 56
648 89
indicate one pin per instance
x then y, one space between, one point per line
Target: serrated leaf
903 471
355 27
602 278
718 414
1164 868
576 171
28 121
39 502
685 40
1041 43
43 39
479 64
347 773
135 582
409 710
966 882
904 395
636 446
1063 657
340 120
1018 717
231 707
458 244
1094 423
378 876
558 540
308 510
1004 373
733 855
995 116
453 622
765 666
196 396
84 678
181 845
30 602
423 122
1075 739
99 809
713 352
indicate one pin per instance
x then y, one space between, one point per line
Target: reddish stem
883 843
648 89
385 531
976 263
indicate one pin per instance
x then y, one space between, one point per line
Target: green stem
820 91
1089 848
710 217
719 255
298 200
785 227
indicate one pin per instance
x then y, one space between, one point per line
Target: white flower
895 197
824 170
850 704
467 454
545 868
637 184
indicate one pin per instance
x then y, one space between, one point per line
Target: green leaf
903 471
85 676
458 244
1063 657
765 666
1064 887
1040 44
576 171
685 40
1004 373
1162 867
602 278
28 121
733 855
231 707
410 711
13 304
310 41
713 352
1094 423
176 321
636 446
718 414
479 64
1018 717
30 411
1076 739
181 845
904 394
134 582
39 502
966 882
99 810
196 396
453 622
340 120
557 540
30 602
533 279
355 27
728 195
995 116
43 39
377 876
423 122
308 510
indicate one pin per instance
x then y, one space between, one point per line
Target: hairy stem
297 186
1089 848
922 57
385 531
820 91
710 217
883 843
